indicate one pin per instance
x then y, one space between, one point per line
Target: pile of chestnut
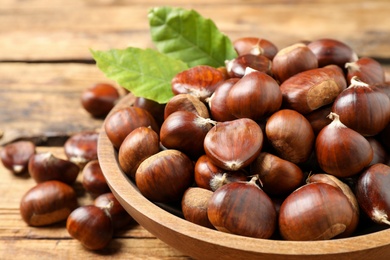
55 197
287 144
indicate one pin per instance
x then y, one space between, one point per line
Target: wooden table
45 64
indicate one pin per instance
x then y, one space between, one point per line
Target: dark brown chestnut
91 225
255 46
99 99
140 144
93 180
186 102
242 208
120 123
47 203
165 176
81 147
154 108
366 69
15 156
217 101
318 119
233 145
237 66
45 166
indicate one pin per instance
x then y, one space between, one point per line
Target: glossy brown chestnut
165 176
255 46
277 176
237 66
45 166
90 225
341 151
120 123
119 216
15 156
315 211
154 108
94 181
372 193
81 147
209 176
140 144
186 102
255 96
318 119
217 101
185 131
291 135
194 206
199 81
242 208
312 89
292 60
47 203
363 107
99 99
380 153
366 69
233 145
384 86
332 51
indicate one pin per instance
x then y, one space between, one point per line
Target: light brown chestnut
48 203
194 206
277 176
15 156
165 176
121 122
255 46
312 89
291 135
140 144
45 166
292 60
255 96
233 145
199 81
341 151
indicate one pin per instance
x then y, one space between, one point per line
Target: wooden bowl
203 243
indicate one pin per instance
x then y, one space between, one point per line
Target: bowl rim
159 221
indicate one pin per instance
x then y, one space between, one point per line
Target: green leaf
187 36
146 73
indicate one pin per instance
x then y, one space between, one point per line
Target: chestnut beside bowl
203 243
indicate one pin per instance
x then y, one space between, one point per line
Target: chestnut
47 203
312 89
217 101
93 180
233 145
331 51
291 135
255 96
255 46
141 143
341 151
366 69
372 193
122 121
45 166
15 156
154 108
81 147
292 60
315 211
186 102
194 206
119 216
380 153
199 81
165 176
185 131
237 66
277 176
209 176
99 99
91 225
242 208
318 119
